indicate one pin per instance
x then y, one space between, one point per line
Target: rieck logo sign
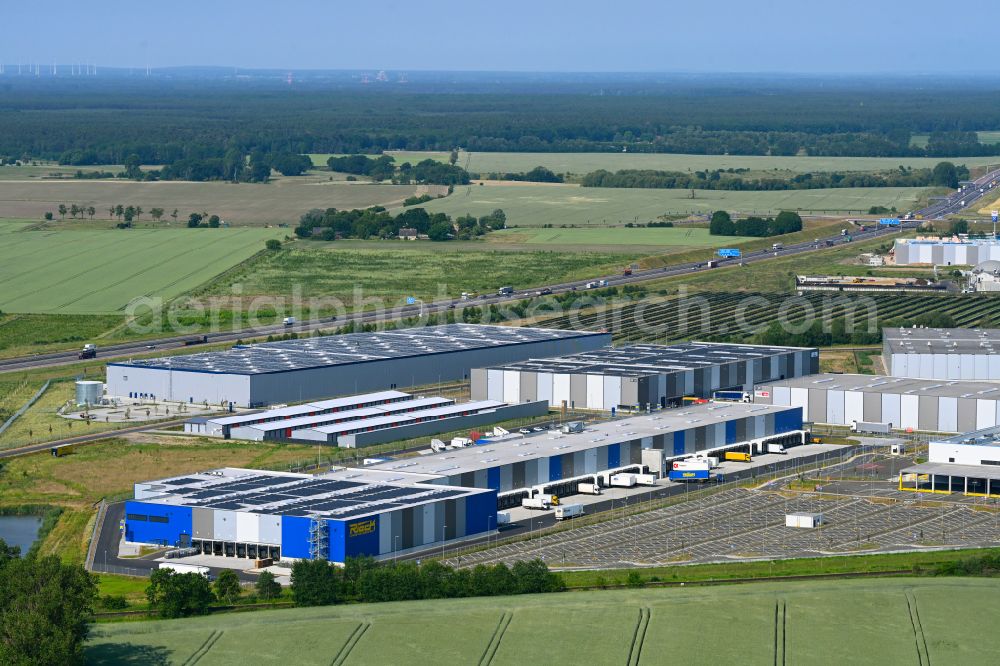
364 527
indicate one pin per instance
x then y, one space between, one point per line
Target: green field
581 163
535 206
68 271
992 136
391 271
682 237
875 621
281 201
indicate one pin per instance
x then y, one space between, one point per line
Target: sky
800 36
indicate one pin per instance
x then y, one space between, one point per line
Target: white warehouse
942 353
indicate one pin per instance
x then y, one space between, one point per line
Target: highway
939 209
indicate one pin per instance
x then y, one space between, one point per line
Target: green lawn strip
847 564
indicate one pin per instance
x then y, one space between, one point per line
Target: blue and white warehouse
254 514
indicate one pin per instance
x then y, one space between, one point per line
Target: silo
89 392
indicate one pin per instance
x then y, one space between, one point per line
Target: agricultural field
391 272
76 272
51 171
701 315
990 136
581 163
281 201
850 621
651 238
536 206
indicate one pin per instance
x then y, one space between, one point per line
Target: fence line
25 407
102 509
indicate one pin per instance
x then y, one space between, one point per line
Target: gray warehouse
321 367
641 375
942 353
908 404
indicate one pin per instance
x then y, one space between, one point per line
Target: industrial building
363 420
546 459
945 251
866 283
306 369
967 464
250 514
942 353
903 403
639 376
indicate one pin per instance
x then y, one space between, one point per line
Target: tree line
376 222
198 121
786 222
383 167
945 174
46 607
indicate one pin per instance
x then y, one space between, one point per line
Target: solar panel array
303 496
335 350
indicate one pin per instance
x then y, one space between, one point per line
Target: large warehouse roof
542 445
340 495
901 385
941 340
351 348
310 408
984 437
640 360
405 418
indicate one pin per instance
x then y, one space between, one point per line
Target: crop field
581 163
68 271
533 206
51 171
281 201
992 136
668 237
391 272
875 621
745 313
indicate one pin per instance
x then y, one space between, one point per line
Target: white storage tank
89 392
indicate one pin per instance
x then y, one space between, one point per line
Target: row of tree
173 594
383 167
945 174
318 583
46 607
376 222
785 222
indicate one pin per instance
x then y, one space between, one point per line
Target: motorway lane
953 204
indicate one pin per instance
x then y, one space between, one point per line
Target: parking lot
862 515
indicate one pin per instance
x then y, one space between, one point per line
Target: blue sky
540 35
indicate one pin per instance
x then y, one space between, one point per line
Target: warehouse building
321 367
251 514
647 441
967 464
942 353
908 404
945 251
640 376
221 426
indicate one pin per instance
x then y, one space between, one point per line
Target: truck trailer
871 427
568 511
177 567
700 475
738 456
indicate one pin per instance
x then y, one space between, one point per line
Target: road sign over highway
729 252
889 221
994 215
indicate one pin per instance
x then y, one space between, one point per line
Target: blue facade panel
493 478
361 536
146 522
295 537
555 468
614 455
790 419
730 432
480 513
679 443
337 541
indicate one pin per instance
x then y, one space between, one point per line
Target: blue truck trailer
701 475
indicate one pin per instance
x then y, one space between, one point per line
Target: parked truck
622 480
177 567
645 479
871 427
505 291
776 448
541 501
711 461
737 456
288 321
700 475
573 426
691 465
568 511
731 396
588 489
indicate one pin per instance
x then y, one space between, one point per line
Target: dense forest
167 121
